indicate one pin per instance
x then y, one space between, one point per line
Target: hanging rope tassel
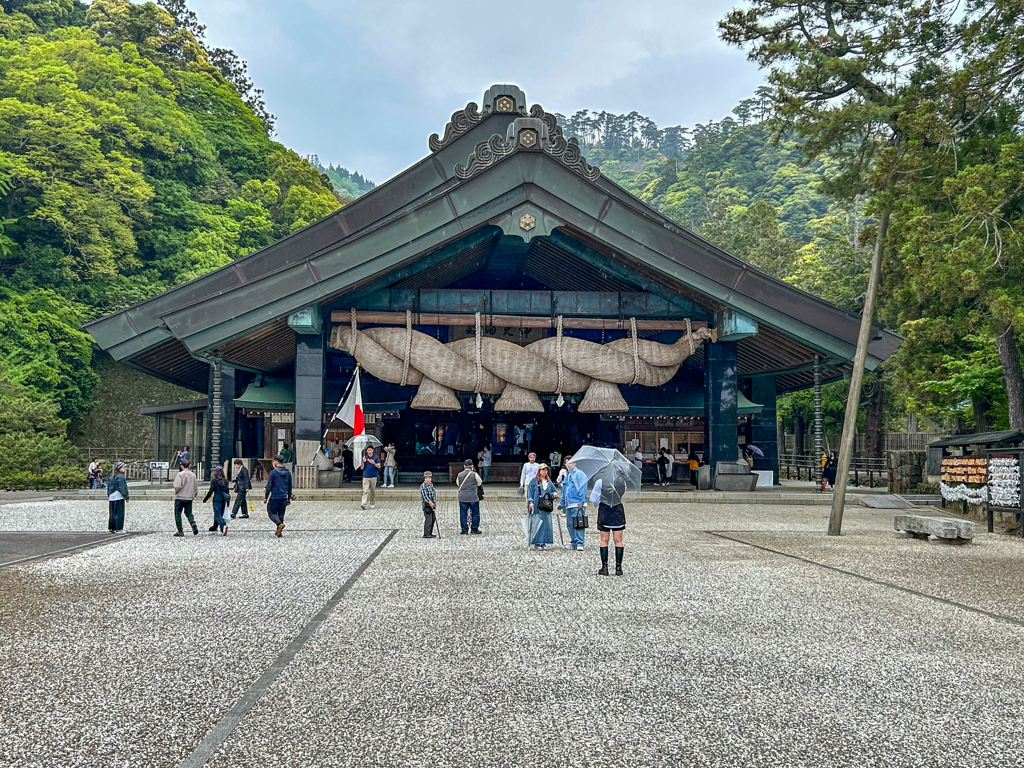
558 357
355 333
636 351
479 363
689 337
408 347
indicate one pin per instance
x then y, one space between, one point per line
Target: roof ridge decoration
540 131
508 99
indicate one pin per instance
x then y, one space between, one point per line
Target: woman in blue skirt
540 501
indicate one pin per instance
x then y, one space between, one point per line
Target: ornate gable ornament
507 99
539 132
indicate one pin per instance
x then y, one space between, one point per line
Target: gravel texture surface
471 650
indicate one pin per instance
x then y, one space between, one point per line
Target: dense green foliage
132 158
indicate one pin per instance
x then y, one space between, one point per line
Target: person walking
540 501
278 493
428 495
485 463
117 497
370 466
220 495
390 466
185 489
528 472
242 486
611 520
828 473
470 486
662 463
574 501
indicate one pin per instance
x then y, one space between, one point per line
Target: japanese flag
351 411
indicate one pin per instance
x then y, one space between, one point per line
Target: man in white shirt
528 473
485 463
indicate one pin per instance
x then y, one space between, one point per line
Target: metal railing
806 466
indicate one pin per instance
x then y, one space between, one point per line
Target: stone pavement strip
472 650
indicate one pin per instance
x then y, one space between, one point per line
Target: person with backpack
185 489
471 491
540 501
221 497
278 493
242 486
117 497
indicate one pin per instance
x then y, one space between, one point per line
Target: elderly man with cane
574 501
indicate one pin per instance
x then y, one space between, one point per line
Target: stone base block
943 529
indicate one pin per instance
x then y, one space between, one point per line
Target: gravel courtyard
739 636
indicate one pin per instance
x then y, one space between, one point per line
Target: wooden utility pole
835 520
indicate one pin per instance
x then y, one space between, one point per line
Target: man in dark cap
278 493
469 483
428 494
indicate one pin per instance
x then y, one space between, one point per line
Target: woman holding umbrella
540 501
615 479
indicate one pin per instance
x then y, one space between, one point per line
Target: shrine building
500 291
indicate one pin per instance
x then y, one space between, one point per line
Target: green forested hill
346 182
132 158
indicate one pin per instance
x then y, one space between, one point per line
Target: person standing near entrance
540 501
528 473
428 495
485 463
694 462
242 486
278 493
182 456
370 467
390 466
347 459
574 501
611 520
185 489
117 497
470 486
220 495
286 454
662 463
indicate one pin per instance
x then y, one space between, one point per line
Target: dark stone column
720 401
226 407
309 387
763 428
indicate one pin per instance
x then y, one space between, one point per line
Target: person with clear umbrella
616 479
540 502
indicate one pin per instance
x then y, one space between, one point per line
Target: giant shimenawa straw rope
556 364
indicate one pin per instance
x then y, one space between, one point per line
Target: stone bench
734 476
942 529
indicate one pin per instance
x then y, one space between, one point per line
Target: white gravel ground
473 651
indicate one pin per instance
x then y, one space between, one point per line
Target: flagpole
344 394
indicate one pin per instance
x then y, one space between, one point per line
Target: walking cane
437 522
561 536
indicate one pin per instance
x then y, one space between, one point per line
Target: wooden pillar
309 395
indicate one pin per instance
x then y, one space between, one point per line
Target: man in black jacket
242 485
278 493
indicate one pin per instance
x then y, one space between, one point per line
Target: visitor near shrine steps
500 295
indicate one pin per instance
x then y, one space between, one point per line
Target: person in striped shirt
428 494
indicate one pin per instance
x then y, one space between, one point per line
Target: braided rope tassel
636 350
689 337
558 357
408 347
355 333
479 363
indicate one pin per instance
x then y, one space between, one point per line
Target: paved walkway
739 636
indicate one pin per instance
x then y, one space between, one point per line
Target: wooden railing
808 467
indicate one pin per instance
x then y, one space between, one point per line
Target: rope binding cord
558 357
636 351
689 337
355 332
408 347
479 363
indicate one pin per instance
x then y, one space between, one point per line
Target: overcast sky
363 84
